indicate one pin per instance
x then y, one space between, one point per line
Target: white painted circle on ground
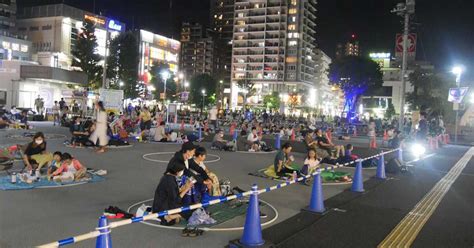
213 229
147 157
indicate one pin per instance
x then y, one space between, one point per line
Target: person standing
213 116
39 105
62 104
56 118
100 131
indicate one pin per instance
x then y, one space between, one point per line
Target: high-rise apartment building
7 17
274 44
350 48
197 50
222 23
12 46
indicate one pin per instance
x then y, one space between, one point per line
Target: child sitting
311 163
70 170
55 164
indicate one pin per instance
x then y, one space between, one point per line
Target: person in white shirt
311 163
160 133
253 141
100 131
56 113
213 116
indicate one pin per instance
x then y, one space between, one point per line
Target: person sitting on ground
80 136
309 140
4 121
283 160
35 155
311 163
70 170
160 133
396 141
348 156
185 155
219 142
252 141
325 144
168 195
213 188
55 164
24 119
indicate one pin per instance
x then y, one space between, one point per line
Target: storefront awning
57 75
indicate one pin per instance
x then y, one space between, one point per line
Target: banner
112 99
457 94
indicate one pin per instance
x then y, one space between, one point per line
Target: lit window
293 19
293 43
240 15
292 27
291 59
293 2
292 11
6 45
220 17
24 48
15 47
293 35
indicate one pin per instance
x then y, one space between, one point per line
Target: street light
203 91
165 75
186 85
457 70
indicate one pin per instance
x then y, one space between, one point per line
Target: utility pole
105 83
406 10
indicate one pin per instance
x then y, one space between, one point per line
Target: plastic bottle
13 178
295 175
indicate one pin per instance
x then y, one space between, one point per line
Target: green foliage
203 82
247 86
85 55
430 92
159 84
272 101
122 63
390 112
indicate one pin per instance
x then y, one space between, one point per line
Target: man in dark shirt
324 143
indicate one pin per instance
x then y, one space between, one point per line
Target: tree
355 76
247 88
201 82
158 82
272 101
429 92
122 63
390 112
85 55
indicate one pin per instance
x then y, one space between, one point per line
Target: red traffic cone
293 135
385 135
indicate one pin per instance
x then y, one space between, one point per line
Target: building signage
115 25
94 19
411 45
457 94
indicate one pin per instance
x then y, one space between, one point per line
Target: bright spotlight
418 150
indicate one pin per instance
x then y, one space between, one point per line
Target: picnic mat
5 183
221 213
326 176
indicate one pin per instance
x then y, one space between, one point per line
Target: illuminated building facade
155 49
12 45
274 44
53 30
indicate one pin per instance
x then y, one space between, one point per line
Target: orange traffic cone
293 135
232 129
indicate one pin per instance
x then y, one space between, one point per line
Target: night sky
445 28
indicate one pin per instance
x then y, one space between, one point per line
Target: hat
188 146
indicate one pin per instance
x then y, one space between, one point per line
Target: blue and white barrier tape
76 239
